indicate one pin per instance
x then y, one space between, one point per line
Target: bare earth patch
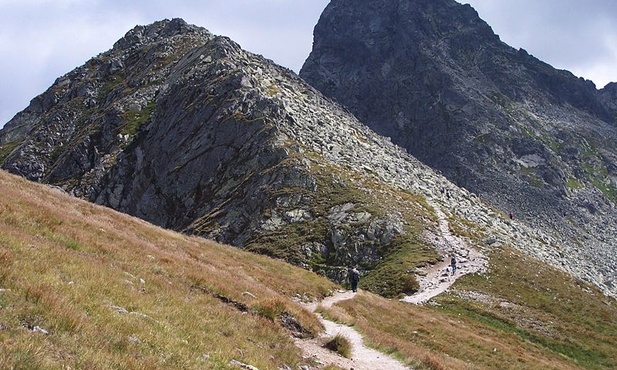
437 278
362 357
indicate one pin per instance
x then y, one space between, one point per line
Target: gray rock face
532 140
188 131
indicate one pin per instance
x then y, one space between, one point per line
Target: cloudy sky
41 40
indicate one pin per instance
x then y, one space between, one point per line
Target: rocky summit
186 130
533 141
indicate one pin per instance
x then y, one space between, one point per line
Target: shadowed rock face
532 140
435 78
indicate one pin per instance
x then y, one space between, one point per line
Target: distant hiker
453 264
354 278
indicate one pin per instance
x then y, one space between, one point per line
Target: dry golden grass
429 339
460 334
86 287
338 314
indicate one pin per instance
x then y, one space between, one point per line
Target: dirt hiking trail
434 280
362 357
437 278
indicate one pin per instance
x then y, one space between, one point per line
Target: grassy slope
521 315
71 267
115 292
337 186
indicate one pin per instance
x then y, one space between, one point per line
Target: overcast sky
41 40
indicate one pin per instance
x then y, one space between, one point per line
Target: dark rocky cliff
532 140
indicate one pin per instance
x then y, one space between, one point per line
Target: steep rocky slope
531 140
188 131
185 129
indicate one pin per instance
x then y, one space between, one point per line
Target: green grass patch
340 345
389 275
541 305
395 274
7 148
133 120
110 85
573 183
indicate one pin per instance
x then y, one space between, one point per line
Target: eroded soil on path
437 278
362 357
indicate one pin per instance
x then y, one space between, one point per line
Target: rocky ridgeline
95 99
188 131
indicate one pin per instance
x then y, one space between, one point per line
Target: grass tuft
340 345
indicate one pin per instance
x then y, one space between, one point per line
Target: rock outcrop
531 140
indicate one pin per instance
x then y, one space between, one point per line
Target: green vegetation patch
597 175
133 120
335 187
331 190
503 101
573 183
110 85
7 148
542 305
395 274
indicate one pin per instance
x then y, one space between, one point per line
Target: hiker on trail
354 278
453 264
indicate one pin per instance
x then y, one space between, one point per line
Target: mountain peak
158 30
495 120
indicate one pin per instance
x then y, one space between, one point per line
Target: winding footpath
434 280
362 357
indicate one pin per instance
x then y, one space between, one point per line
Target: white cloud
41 3
568 34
